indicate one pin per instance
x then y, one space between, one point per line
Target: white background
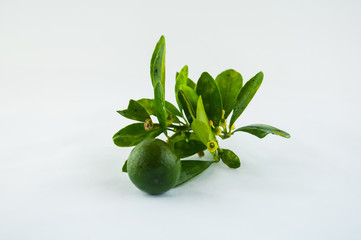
67 66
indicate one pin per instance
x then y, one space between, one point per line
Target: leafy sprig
203 110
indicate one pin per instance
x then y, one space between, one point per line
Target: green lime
153 166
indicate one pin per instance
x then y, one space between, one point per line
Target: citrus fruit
153 166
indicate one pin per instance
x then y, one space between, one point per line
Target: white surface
66 66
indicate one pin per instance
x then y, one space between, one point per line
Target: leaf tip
205 74
161 40
287 135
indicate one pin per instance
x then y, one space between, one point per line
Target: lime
153 166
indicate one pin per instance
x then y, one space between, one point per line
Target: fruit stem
215 156
184 128
178 132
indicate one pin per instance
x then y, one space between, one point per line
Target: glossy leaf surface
230 158
157 64
262 130
186 106
192 168
246 95
191 84
202 130
160 107
181 79
185 149
212 100
191 95
202 116
149 105
157 74
171 109
229 83
133 134
135 111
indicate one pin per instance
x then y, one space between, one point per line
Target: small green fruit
230 158
153 166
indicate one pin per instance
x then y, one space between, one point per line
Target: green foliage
160 107
202 113
191 84
202 130
246 95
157 75
187 106
124 168
171 109
181 80
229 83
262 130
149 105
135 111
157 64
202 116
135 133
184 148
191 95
208 89
192 168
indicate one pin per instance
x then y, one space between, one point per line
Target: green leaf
192 168
172 109
157 74
201 115
185 149
229 83
135 111
191 95
262 130
124 168
181 79
201 129
212 100
194 136
186 105
246 95
149 105
191 84
160 107
157 64
230 158
133 134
